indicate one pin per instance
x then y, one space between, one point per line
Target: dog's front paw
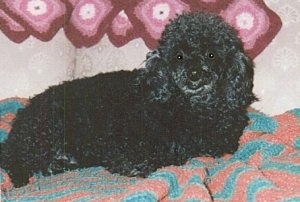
61 162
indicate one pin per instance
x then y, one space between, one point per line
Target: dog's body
189 100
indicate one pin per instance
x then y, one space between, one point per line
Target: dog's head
201 57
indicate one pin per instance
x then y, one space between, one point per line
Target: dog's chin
198 94
196 89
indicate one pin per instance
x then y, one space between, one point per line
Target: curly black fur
189 100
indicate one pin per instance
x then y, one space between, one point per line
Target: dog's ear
156 79
239 81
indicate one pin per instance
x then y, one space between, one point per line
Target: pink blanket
266 167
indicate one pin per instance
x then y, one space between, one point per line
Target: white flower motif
245 20
249 19
37 7
161 11
285 59
87 11
289 15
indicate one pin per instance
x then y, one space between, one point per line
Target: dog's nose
194 74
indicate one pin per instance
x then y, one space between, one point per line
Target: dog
189 99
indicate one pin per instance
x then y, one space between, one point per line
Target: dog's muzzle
198 77
194 75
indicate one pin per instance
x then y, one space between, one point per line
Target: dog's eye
211 55
179 57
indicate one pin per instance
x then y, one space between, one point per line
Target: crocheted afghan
86 21
266 167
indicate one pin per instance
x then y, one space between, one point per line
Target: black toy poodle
189 100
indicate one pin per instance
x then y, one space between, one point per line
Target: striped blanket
266 167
